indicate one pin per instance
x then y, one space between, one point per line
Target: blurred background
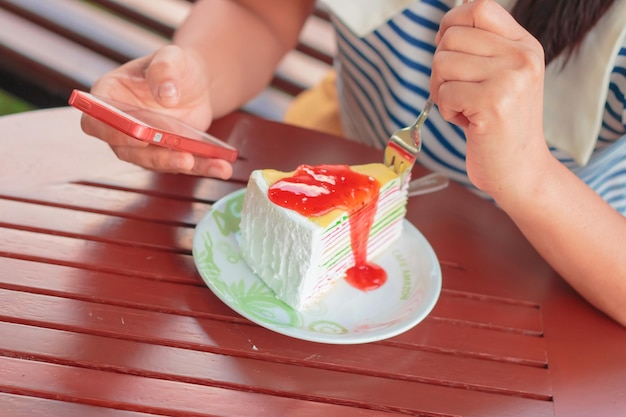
49 47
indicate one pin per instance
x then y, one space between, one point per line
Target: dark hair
560 25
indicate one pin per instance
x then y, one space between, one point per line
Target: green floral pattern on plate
344 315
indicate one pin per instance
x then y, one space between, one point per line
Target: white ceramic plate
345 314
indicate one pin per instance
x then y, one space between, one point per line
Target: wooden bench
49 47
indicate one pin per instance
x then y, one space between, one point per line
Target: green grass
10 104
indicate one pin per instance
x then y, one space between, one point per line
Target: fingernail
167 90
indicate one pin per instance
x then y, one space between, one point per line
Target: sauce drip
316 190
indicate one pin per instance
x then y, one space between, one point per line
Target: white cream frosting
574 95
296 257
278 244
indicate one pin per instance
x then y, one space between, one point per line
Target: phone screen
151 126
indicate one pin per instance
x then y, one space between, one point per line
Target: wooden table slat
63 281
200 302
268 376
203 190
104 33
116 203
86 225
159 396
26 406
489 312
80 224
164 15
34 44
215 335
144 263
61 250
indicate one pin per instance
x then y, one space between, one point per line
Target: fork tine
399 158
404 145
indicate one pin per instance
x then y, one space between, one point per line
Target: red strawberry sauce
316 190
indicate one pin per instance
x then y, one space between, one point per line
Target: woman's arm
240 43
488 78
576 231
223 54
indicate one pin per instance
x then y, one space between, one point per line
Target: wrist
531 183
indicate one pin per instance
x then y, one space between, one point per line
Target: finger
164 74
456 66
113 137
178 84
477 63
482 14
458 101
156 158
479 107
166 160
214 168
473 41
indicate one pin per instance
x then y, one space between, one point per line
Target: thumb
164 73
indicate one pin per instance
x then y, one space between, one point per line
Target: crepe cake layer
300 257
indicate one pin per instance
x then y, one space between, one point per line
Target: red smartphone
152 127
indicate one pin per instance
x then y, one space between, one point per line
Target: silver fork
404 144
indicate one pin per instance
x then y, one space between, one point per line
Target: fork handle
421 118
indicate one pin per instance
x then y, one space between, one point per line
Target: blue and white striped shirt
384 82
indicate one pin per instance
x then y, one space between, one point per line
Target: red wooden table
102 311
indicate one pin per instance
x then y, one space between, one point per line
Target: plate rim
435 277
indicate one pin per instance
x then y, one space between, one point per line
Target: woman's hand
171 81
488 78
